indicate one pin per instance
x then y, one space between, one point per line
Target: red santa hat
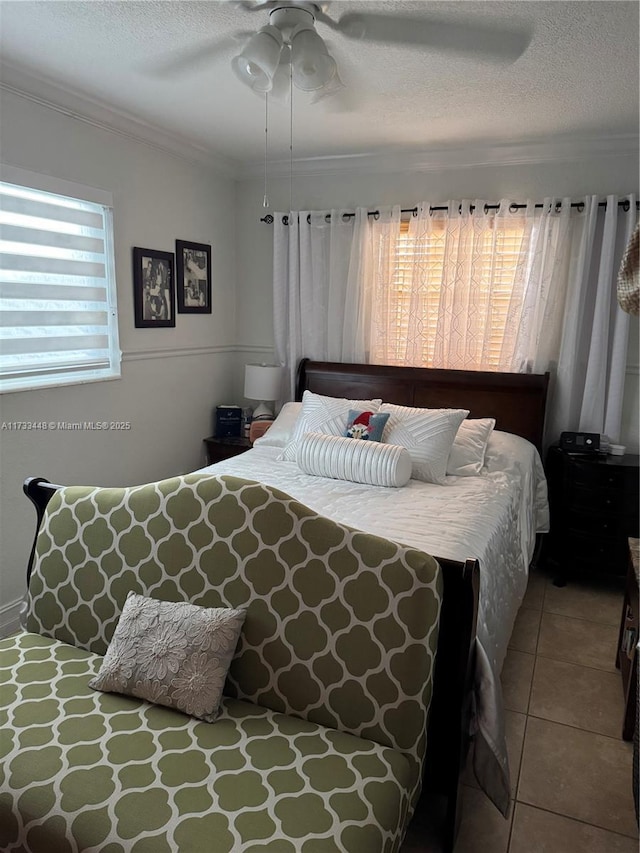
363 418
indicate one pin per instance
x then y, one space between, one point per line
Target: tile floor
571 771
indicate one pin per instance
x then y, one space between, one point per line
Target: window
57 283
442 279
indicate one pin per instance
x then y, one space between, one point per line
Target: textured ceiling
579 75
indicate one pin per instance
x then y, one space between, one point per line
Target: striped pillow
342 458
428 435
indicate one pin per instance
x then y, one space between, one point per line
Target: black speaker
580 442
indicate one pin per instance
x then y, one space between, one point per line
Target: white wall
171 378
600 174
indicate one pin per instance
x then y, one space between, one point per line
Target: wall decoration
194 277
153 288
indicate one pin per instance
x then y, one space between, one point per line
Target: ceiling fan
290 39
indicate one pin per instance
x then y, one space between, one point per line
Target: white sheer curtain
469 287
514 289
474 287
323 264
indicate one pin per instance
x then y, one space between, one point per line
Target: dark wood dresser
594 510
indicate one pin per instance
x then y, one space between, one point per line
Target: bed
494 518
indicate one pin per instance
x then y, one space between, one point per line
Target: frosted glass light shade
262 382
312 65
258 62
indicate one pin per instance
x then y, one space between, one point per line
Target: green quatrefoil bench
321 740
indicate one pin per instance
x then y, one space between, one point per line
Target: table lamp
262 382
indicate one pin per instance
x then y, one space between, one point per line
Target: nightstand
594 509
224 448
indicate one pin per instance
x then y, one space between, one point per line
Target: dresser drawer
600 525
588 475
595 500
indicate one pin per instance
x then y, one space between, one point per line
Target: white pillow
469 447
341 458
323 414
281 430
427 434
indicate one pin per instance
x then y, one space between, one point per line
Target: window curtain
473 288
513 289
324 264
588 378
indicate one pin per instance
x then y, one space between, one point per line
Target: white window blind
415 303
58 313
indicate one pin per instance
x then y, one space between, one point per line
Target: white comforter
493 517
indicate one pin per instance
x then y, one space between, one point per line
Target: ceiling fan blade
194 57
496 43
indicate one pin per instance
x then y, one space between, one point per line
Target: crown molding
67 101
479 154
81 107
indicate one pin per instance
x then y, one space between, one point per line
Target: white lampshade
262 382
258 62
312 65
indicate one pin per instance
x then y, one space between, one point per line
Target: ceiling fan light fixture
258 62
312 65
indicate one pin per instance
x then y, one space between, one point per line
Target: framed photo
153 288
194 277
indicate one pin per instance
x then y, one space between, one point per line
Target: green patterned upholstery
335 663
111 773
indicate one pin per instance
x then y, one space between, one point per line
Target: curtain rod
579 205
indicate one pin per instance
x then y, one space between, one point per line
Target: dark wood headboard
516 400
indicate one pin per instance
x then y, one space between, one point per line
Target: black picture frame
153 288
193 277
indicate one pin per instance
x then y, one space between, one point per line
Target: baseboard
10 618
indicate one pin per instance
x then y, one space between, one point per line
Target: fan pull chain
290 136
265 200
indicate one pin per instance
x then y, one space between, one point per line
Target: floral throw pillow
366 426
171 653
